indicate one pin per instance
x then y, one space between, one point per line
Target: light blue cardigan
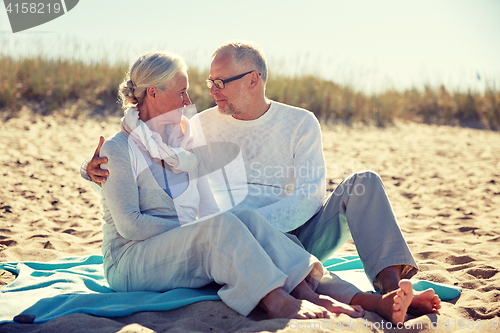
135 207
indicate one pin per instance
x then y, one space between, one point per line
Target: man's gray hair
245 54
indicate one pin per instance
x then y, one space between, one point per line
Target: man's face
235 97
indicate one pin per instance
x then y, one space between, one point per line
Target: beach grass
75 87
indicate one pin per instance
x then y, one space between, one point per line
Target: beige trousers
358 207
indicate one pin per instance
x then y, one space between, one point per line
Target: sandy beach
443 183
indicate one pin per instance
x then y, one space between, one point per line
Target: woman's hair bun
126 91
131 86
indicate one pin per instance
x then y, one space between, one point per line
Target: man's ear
254 79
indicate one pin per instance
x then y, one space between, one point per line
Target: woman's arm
122 197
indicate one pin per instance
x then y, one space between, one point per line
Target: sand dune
443 182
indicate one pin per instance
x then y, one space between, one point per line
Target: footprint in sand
483 272
459 260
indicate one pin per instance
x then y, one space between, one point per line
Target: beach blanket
68 285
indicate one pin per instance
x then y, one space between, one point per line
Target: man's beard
239 106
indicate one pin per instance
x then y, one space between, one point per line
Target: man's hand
95 173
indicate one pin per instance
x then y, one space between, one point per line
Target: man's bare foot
402 300
392 306
279 304
304 292
388 278
424 302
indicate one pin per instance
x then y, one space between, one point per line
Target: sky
371 45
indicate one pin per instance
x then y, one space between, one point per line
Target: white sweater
283 157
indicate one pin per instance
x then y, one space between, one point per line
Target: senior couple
267 250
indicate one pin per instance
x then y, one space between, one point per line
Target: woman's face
175 96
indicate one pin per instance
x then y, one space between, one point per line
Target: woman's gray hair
152 69
245 54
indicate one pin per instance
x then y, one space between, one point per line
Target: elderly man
282 150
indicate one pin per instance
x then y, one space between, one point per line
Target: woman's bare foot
279 304
334 306
304 292
424 302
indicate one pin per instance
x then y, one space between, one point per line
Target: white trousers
242 252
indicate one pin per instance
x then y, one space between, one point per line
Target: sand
443 182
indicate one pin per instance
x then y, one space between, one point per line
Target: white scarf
175 151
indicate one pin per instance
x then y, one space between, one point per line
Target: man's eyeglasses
219 83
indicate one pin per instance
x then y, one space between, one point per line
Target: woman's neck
156 124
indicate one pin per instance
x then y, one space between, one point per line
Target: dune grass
54 85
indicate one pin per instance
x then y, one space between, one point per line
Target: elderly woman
154 187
